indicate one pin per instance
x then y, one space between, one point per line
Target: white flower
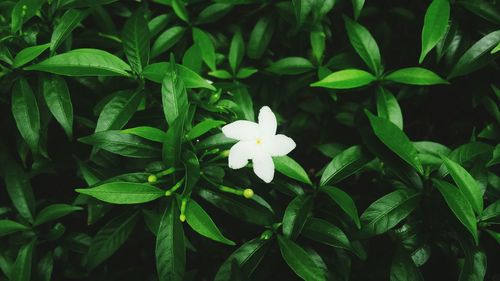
258 142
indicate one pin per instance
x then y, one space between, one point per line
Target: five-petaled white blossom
257 142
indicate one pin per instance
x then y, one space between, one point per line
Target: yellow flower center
258 141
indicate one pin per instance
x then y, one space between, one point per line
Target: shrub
138 140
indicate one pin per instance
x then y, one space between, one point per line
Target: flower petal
240 153
267 121
241 130
279 145
263 166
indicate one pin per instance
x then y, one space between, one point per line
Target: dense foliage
114 166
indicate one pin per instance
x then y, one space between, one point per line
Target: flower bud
182 218
248 193
152 178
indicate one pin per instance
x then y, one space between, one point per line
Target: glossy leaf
146 132
156 72
241 208
110 238
68 22
26 113
300 261
21 271
22 12
247 257
203 127
466 183
388 211
388 107
201 222
167 40
344 164
28 54
290 168
344 201
296 215
346 79
170 246
325 232
84 62
236 51
459 205
136 41
290 66
365 45
54 212
260 37
435 23
415 76
174 96
123 192
8 227
476 56
58 100
395 140
403 268
206 46
118 111
122 144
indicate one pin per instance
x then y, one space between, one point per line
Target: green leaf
167 40
344 201
156 72
435 24
171 149
302 9
174 96
84 62
8 227
170 248
22 12
201 222
242 98
415 76
346 79
357 6
58 100
396 140
474 267
485 9
388 211
476 56
213 12
388 107
403 268
296 215
247 257
45 267
290 66
118 111
192 167
236 51
26 113
206 46
300 261
21 271
466 183
317 39
221 74
290 168
54 212
344 164
459 205
136 41
364 44
28 54
146 132
180 10
203 127
122 144
68 22
326 233
18 186
260 37
110 238
241 208
492 212
123 192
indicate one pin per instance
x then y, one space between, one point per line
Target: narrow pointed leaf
123 192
